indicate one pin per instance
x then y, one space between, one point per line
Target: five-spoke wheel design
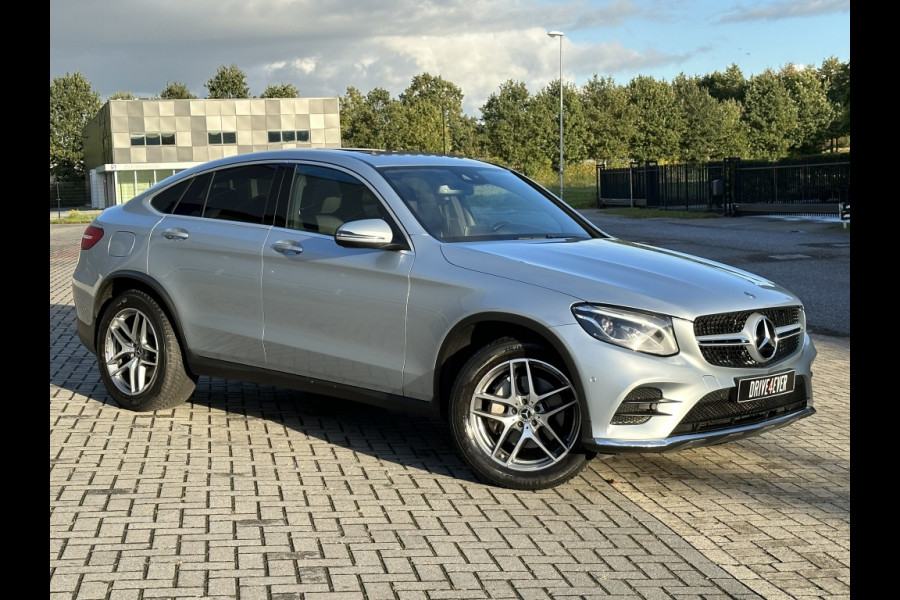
516 417
524 415
131 351
140 357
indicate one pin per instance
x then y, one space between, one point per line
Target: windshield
480 203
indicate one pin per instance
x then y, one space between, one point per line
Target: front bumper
696 440
640 403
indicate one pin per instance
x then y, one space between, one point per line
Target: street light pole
559 34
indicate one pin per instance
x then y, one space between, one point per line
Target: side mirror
365 233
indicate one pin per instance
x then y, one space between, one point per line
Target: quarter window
191 203
166 200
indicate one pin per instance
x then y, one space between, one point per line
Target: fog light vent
639 406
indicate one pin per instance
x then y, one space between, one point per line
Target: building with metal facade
132 144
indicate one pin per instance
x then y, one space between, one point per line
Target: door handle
176 233
287 247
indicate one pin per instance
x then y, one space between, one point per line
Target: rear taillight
90 237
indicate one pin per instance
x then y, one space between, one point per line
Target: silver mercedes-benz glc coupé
442 285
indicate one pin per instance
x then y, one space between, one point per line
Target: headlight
638 331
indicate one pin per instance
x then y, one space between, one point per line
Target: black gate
731 187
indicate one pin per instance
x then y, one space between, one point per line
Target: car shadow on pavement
355 430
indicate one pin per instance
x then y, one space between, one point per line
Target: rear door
208 256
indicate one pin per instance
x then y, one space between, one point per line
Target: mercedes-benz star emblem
765 338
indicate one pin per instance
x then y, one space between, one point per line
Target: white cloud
322 48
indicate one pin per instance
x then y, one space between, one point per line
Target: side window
166 200
241 193
191 203
322 199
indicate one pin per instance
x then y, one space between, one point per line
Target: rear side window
191 203
166 200
241 193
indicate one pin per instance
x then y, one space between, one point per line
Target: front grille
717 410
725 323
739 356
727 342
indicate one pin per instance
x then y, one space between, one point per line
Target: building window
222 137
152 139
300 135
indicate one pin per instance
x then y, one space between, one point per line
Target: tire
527 440
139 355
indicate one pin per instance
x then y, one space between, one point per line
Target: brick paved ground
252 492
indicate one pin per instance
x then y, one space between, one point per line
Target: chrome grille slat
724 341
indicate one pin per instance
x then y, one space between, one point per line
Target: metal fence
69 194
732 186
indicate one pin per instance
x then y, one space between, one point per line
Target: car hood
613 271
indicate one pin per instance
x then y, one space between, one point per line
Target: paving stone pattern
260 493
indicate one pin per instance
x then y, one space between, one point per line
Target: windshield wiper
549 236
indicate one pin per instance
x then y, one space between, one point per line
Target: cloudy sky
323 47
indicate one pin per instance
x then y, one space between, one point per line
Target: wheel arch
476 331
122 281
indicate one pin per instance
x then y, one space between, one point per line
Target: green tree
733 136
654 125
420 126
121 96
468 137
285 90
815 112
353 108
730 85
511 134
711 130
176 91
606 129
431 113
835 76
72 104
574 127
228 82
771 117
366 121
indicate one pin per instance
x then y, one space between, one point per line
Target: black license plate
759 388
